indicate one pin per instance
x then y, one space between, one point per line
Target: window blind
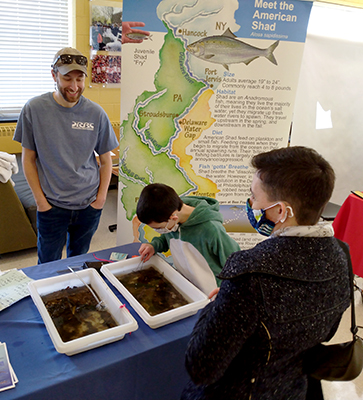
31 32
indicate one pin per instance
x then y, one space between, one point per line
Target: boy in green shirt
192 228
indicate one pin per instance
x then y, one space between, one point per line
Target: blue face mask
258 219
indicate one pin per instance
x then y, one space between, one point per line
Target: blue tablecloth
146 364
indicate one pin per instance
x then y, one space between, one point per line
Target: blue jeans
58 226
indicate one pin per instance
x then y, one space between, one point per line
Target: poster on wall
105 42
212 85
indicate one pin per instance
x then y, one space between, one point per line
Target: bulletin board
105 43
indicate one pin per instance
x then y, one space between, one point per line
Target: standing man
60 133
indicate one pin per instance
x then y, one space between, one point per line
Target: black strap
344 246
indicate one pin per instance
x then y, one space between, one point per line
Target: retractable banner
212 85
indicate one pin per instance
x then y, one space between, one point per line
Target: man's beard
67 97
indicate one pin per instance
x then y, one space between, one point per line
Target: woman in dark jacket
281 297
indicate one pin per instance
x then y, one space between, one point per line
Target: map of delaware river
211 86
155 135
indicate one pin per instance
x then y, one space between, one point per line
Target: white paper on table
13 287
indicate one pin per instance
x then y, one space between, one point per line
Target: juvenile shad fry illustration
226 49
138 36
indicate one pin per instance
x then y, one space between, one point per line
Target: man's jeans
58 226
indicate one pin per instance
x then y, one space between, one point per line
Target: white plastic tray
196 297
126 322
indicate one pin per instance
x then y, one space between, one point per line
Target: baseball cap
76 61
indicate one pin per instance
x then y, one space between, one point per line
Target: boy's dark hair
157 202
298 175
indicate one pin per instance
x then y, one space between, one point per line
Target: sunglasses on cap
68 59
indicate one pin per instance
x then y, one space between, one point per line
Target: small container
125 321
197 299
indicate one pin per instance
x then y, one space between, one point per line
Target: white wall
332 75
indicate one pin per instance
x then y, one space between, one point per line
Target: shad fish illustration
226 49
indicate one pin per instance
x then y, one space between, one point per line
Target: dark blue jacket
276 301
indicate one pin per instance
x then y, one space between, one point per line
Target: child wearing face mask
192 228
278 299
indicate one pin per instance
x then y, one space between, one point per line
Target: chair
330 211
